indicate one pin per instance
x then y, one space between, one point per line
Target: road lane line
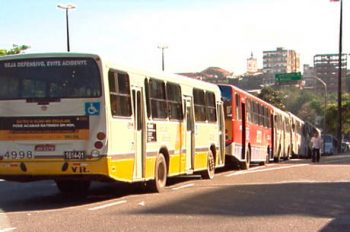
2 180
108 205
183 186
265 170
244 171
7 229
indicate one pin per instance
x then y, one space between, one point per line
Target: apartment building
326 67
281 61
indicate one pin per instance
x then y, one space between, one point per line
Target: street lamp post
339 77
66 8
162 47
339 127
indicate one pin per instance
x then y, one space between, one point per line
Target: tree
16 49
332 116
273 97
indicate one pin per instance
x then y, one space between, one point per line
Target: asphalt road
295 195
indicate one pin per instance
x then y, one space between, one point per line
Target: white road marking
108 205
7 229
183 186
2 180
244 171
281 182
142 203
265 170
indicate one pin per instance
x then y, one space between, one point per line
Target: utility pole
339 128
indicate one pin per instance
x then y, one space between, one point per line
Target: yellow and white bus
282 135
297 134
75 118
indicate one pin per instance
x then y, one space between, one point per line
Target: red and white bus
248 127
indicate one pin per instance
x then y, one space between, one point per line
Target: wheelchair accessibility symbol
92 108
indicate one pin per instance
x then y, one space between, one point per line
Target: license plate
45 147
71 155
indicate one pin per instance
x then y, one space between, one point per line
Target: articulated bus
247 125
282 135
297 125
75 118
308 131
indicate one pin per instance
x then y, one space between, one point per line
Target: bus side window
211 107
158 99
265 117
259 114
119 90
199 105
256 113
249 111
148 105
174 101
238 107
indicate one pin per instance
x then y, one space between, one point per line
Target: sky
198 33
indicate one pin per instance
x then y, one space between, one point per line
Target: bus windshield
327 139
46 78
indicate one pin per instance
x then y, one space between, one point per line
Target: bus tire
267 158
268 155
286 157
246 164
277 159
210 171
160 175
74 187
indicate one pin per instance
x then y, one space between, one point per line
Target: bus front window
49 78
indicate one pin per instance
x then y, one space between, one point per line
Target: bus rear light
98 144
228 142
101 136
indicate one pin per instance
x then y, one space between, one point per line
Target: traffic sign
284 77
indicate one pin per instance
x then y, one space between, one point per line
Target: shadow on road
44 195
308 199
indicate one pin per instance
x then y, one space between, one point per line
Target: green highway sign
284 77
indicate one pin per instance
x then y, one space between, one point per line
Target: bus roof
167 76
248 95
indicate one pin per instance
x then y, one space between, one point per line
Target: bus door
244 131
273 136
139 143
189 140
220 112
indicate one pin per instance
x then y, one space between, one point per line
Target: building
309 81
281 61
211 74
326 67
252 65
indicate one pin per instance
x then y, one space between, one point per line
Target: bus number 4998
18 155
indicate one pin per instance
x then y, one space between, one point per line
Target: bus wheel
160 176
277 159
75 187
286 157
210 172
246 164
267 158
